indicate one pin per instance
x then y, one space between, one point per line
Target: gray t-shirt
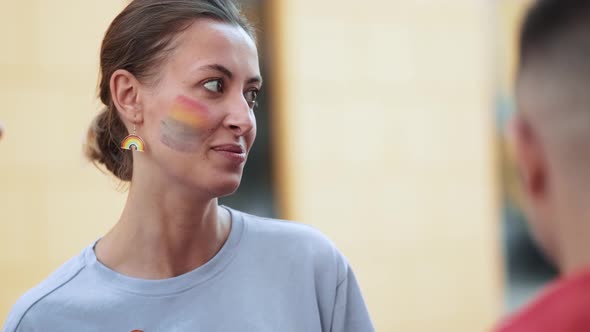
269 276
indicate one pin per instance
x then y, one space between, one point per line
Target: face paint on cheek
182 129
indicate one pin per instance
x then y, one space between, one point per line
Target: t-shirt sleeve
15 322
18 319
11 322
350 312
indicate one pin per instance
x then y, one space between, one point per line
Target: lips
230 148
233 152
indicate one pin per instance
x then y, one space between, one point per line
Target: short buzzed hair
556 28
553 83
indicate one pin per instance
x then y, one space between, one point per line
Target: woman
179 80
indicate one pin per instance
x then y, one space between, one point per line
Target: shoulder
563 303
301 243
288 234
56 280
284 229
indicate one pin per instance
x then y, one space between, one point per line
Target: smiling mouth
233 153
235 148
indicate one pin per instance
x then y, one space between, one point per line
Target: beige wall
386 143
52 203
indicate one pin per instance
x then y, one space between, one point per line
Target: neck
573 242
164 231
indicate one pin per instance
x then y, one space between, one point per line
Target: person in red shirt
551 139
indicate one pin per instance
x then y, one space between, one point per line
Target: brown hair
138 40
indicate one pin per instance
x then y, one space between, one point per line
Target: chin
225 185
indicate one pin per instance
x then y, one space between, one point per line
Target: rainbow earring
133 142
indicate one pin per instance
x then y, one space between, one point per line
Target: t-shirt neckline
176 284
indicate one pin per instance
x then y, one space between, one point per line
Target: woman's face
199 122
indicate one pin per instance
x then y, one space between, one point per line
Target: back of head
138 41
548 24
554 76
552 133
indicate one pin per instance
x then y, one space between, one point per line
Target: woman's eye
251 97
214 85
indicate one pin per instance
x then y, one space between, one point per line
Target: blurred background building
381 124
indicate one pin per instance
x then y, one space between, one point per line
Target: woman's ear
125 92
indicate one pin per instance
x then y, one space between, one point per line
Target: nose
240 118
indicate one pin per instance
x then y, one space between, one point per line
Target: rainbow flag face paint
189 112
134 143
183 126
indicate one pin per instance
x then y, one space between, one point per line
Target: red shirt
564 306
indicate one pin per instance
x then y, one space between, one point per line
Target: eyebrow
230 75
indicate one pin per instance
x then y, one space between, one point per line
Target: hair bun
102 145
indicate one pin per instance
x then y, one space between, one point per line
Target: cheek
185 125
251 137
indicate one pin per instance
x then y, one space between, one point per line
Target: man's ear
529 157
125 92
